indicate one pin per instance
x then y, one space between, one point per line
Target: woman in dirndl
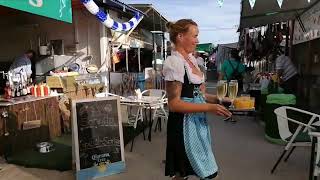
188 151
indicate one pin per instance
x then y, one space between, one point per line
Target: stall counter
29 108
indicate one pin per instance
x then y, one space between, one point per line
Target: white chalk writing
98 142
96 157
36 3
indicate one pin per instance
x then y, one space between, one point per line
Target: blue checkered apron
197 140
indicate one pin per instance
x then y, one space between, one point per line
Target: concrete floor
240 149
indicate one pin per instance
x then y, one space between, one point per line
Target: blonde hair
181 26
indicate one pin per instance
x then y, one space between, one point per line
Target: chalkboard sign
98 138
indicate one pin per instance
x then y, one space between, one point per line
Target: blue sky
217 25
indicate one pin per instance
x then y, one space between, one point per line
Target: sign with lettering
56 9
311 23
98 137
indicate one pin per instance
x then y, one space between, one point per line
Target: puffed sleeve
173 69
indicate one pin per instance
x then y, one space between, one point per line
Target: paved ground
241 151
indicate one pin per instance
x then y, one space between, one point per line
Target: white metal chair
132 119
299 137
159 111
128 118
106 94
315 165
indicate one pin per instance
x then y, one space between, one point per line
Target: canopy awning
149 30
154 21
60 10
205 47
229 45
268 11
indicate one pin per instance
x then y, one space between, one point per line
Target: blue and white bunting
106 20
252 2
280 3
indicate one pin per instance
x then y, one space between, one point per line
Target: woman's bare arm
210 98
177 105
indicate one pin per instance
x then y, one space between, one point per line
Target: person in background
200 61
188 150
23 63
287 74
233 69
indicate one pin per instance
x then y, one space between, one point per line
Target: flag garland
106 20
280 3
220 3
252 3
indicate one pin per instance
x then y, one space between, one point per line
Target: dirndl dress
189 150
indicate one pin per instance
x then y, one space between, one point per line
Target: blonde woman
188 134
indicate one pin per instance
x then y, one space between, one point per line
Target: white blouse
175 67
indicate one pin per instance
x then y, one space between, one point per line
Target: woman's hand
219 110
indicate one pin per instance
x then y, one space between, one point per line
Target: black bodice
188 88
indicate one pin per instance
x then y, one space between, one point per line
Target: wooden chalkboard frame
90 173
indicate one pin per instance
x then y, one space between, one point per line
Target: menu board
311 22
98 138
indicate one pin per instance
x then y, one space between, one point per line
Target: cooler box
274 101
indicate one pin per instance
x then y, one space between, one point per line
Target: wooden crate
82 92
67 83
54 82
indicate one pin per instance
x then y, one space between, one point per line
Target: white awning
268 11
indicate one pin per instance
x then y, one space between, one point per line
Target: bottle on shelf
28 90
18 91
13 92
30 87
7 91
24 90
38 90
32 90
45 90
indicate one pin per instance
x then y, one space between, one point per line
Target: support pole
139 58
163 47
113 63
127 60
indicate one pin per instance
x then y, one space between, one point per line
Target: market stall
223 53
28 114
305 52
73 64
268 27
268 30
67 60
138 55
